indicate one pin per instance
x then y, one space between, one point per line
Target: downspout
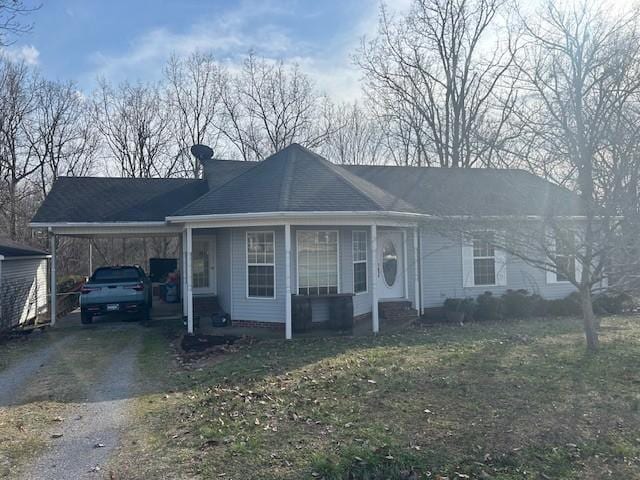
1 259
420 279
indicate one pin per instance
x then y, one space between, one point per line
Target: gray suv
123 289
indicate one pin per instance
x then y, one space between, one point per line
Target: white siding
442 274
256 309
223 269
23 290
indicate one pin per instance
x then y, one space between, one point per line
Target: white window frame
468 265
365 261
337 232
477 235
247 264
552 275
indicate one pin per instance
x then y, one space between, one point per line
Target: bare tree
17 161
12 14
133 123
579 70
355 138
194 93
439 63
402 129
62 136
269 106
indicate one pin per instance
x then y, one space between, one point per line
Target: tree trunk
590 327
13 216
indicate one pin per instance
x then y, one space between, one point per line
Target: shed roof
11 249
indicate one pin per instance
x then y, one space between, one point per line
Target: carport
93 232
101 208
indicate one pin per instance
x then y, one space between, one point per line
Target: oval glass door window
389 263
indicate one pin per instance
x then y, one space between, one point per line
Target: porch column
189 280
183 272
405 263
416 262
90 257
52 270
374 279
287 281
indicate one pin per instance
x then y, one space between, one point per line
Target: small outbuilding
23 284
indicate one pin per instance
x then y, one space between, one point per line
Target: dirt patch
200 343
199 351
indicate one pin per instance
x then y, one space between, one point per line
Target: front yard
519 400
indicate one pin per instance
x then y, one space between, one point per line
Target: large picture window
260 264
484 259
317 262
359 262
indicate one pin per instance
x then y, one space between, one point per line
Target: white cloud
25 53
227 36
231 35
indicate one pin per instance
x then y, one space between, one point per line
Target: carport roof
104 199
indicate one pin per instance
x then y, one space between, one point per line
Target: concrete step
399 310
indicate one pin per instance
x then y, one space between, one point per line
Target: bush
522 304
611 303
488 307
463 305
519 304
69 282
563 307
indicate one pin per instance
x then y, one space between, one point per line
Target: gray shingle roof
101 199
472 191
9 248
297 180
294 179
217 172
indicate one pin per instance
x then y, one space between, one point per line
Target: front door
390 282
204 265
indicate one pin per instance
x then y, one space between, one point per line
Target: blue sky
84 39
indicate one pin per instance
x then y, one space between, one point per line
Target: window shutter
467 263
501 267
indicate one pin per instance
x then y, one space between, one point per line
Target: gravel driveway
84 440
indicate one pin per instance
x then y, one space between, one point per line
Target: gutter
25 257
96 224
291 214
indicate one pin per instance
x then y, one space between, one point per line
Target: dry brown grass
504 401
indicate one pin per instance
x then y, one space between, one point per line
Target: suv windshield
125 274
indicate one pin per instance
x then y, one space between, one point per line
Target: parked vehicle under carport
119 289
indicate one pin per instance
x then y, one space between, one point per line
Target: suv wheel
85 317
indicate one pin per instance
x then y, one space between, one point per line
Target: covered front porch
258 271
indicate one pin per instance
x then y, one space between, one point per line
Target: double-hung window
484 259
260 264
565 259
317 262
359 261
